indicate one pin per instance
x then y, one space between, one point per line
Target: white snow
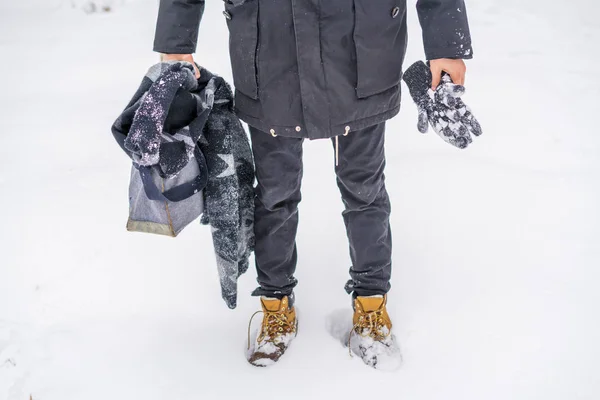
496 258
383 355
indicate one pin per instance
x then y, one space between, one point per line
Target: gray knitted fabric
229 194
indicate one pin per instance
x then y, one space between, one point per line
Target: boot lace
370 324
274 325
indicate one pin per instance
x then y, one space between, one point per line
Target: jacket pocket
380 38
242 21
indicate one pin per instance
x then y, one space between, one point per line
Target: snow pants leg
360 178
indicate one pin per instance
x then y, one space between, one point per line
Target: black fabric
310 68
177 26
181 112
443 109
360 178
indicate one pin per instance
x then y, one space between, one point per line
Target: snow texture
267 346
383 355
495 286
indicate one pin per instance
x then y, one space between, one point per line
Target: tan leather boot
371 317
278 328
371 337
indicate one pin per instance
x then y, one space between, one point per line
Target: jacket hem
335 130
365 122
285 131
174 50
455 53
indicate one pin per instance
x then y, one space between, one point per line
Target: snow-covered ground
497 263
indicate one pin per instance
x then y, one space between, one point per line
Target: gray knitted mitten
443 108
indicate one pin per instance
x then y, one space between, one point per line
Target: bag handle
177 193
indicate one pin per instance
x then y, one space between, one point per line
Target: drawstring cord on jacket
337 145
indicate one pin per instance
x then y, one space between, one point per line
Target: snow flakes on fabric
443 109
229 194
144 139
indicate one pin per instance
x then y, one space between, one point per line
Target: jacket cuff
461 53
174 50
177 26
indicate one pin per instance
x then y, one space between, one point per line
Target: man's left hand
455 68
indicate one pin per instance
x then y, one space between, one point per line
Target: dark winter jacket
318 68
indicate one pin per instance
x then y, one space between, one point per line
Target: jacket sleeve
445 29
177 26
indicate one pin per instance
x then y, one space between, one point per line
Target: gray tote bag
165 206
169 170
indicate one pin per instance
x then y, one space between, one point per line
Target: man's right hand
181 57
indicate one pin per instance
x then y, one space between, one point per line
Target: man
321 69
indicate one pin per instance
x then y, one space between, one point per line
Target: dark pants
360 179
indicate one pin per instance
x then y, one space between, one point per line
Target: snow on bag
190 157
